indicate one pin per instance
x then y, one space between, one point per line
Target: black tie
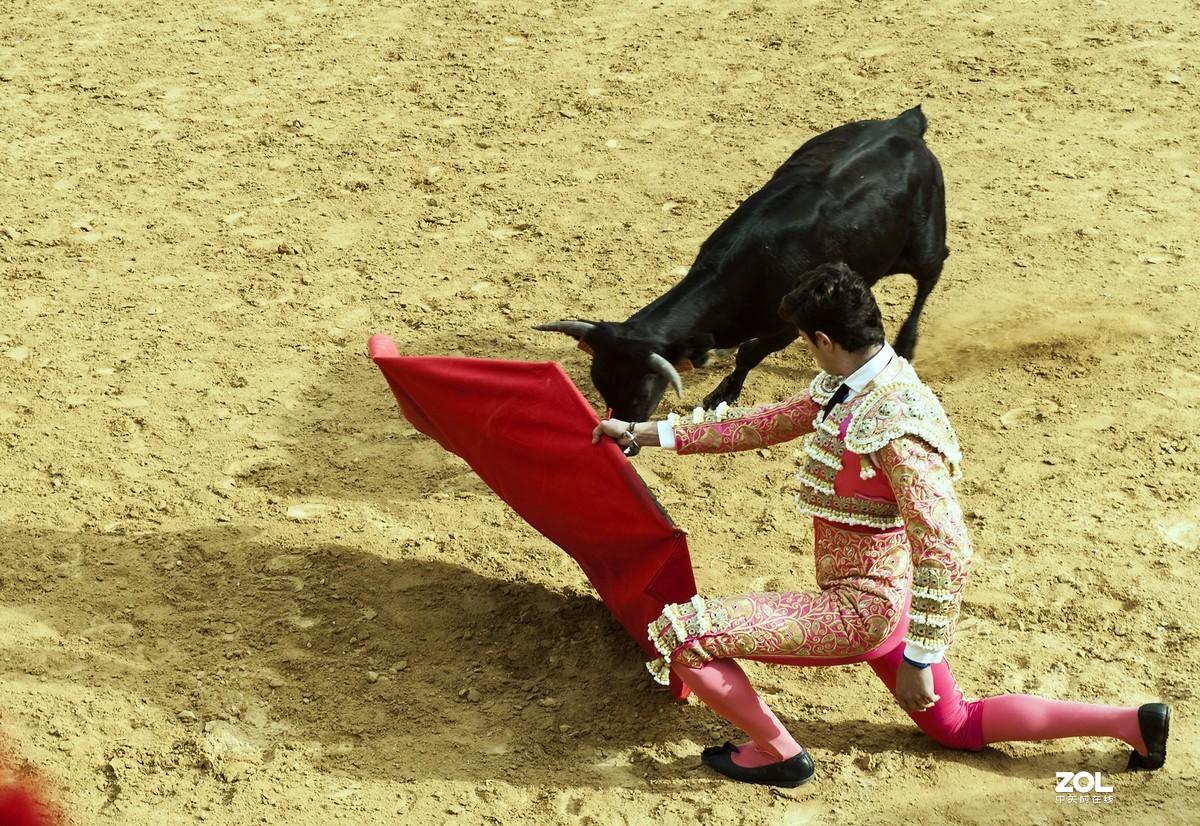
837 398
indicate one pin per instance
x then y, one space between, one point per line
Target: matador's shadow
395 670
386 669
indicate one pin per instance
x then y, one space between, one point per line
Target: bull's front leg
750 354
727 391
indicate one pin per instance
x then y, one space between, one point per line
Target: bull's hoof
905 345
723 393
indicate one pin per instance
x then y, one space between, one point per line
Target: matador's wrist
629 434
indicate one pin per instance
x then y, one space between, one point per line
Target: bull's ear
585 347
683 365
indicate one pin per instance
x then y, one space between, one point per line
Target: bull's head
629 370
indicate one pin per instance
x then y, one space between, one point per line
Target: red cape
526 430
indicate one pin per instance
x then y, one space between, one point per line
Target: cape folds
525 429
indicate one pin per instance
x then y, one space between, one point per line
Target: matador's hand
914 688
613 429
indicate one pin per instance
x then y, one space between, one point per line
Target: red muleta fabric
526 430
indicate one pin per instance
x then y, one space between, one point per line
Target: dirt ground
236 587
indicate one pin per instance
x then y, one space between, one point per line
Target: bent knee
956 738
880 636
682 628
959 727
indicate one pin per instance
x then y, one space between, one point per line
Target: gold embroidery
863 579
936 580
823 386
739 428
941 551
900 408
847 510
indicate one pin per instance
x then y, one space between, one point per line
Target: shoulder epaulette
903 408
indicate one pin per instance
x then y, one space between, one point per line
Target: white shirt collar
860 378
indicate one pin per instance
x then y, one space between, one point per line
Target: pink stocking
954 721
723 686
971 724
1023 717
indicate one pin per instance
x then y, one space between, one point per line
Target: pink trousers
858 615
952 721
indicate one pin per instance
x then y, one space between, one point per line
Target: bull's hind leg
906 339
923 257
749 355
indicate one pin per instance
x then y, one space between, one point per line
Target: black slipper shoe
795 771
1154 719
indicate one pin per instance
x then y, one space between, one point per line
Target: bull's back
855 193
824 157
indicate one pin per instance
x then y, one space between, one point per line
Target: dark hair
836 301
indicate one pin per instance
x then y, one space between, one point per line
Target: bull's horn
578 329
668 372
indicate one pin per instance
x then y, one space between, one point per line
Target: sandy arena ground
237 588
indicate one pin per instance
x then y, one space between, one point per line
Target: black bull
869 193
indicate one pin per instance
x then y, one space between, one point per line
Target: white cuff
921 654
666 434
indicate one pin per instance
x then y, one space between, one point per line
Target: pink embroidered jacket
895 425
